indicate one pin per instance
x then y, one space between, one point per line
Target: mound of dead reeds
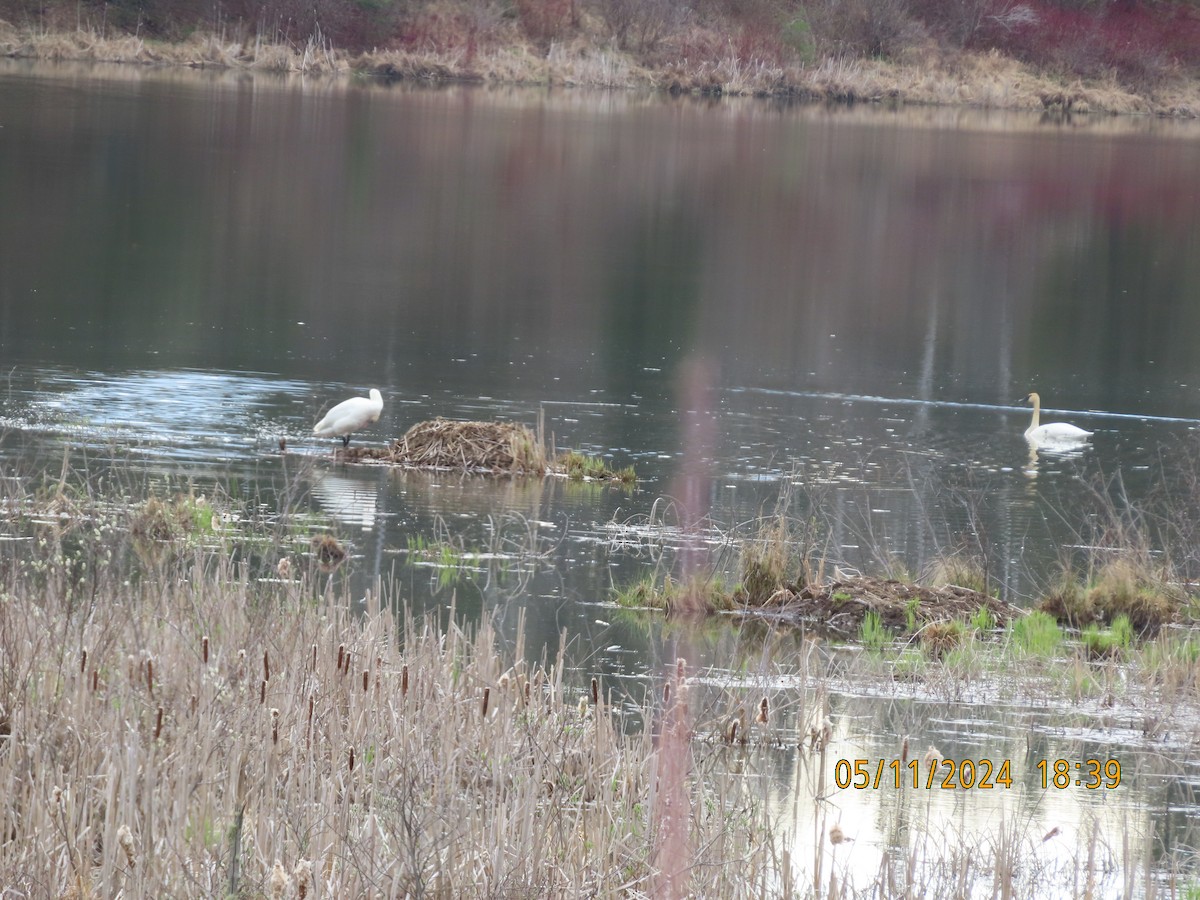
497 448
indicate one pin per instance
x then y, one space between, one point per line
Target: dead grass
192 730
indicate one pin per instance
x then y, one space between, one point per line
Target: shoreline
962 80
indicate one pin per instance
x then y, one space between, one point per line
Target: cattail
504 683
158 724
666 693
56 796
763 712
595 692
527 689
366 679
341 655
583 707
193 702
150 677
378 673
241 666
484 705
352 760
274 725
904 750
262 693
404 680
314 659
279 881
82 661
1052 833
731 730
266 666
308 731
303 874
125 839
680 668
95 680
836 835
933 757
346 664
284 568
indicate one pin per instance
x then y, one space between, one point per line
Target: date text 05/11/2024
972 774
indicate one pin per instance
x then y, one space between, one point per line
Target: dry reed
144 754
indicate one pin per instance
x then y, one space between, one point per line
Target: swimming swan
1053 432
349 416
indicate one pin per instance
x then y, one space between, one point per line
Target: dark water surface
742 300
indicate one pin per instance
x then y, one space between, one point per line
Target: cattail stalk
125 839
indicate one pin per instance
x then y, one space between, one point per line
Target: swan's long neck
1037 410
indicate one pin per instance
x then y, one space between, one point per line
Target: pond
836 308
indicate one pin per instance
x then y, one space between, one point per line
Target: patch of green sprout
873 633
982 620
1036 634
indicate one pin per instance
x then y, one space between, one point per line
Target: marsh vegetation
183 715
193 702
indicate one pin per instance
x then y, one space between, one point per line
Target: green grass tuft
1036 634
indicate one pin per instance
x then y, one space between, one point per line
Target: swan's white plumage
1052 432
350 416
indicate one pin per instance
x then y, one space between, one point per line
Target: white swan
349 416
1052 432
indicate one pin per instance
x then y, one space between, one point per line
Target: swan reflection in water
347 499
1062 450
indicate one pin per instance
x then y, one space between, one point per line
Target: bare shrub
957 21
1142 45
641 25
864 28
544 21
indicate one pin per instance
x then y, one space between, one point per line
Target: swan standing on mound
350 416
1052 432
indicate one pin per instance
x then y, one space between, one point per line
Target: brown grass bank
1078 58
